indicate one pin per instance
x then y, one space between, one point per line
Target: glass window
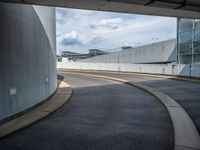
196 58
196 41
185 42
185 25
197 23
185 59
189 41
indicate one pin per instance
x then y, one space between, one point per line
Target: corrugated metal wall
27 56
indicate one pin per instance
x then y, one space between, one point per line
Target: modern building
72 56
126 47
96 52
188 41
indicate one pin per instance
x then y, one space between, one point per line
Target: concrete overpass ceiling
170 8
174 4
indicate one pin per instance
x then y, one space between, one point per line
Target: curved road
186 93
101 115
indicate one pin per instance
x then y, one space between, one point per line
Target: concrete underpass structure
28 44
170 8
27 56
108 110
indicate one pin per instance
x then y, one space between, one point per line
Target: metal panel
27 57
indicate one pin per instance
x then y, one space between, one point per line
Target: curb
186 136
61 96
137 74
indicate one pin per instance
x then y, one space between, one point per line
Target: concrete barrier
165 69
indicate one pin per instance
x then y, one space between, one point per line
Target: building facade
156 53
188 41
27 56
72 56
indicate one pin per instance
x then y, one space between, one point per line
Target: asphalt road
101 115
187 94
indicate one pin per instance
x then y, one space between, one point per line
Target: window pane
196 41
185 25
185 42
185 59
197 23
196 58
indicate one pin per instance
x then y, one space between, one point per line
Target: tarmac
101 114
110 110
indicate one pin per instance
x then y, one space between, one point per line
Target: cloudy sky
80 30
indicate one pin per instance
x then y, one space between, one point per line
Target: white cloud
72 34
74 40
79 30
112 24
71 39
58 33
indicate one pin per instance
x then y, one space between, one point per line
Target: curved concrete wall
27 56
161 52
